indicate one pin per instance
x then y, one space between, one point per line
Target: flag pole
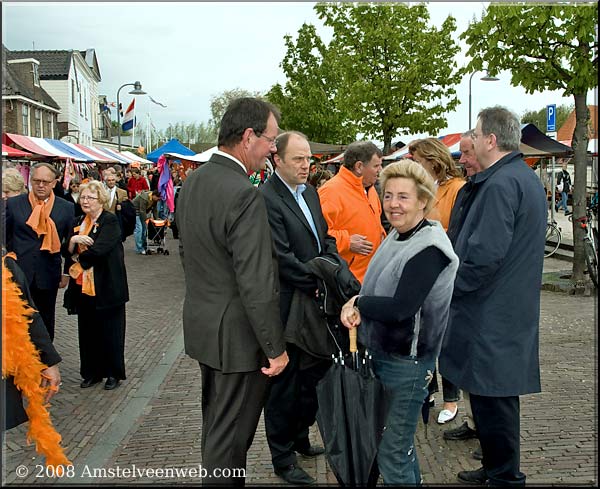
134 121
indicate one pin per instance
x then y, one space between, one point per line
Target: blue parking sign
551 118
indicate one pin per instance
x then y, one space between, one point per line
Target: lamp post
137 90
487 77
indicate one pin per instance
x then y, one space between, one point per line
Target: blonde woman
98 288
402 311
12 183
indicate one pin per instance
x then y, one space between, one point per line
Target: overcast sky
184 53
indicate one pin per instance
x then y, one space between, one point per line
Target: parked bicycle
590 240
553 238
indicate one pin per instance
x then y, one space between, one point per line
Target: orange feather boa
21 360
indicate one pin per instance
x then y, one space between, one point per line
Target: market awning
96 155
137 158
75 153
39 146
14 152
114 154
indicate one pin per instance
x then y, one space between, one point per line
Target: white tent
199 158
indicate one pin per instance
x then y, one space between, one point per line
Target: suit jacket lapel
290 201
229 163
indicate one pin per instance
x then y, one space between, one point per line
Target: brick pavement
153 420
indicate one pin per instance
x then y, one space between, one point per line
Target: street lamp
487 77
137 90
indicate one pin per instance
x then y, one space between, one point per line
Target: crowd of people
428 262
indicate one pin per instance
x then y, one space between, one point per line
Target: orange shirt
349 210
444 201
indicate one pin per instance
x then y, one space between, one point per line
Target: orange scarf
85 278
21 360
41 222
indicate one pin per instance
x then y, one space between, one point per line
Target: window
49 125
80 103
73 92
85 100
36 75
25 111
38 124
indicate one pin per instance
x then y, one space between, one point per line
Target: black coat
15 413
107 257
294 240
41 268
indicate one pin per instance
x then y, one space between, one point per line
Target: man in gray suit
231 318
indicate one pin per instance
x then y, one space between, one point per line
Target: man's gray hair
360 151
504 124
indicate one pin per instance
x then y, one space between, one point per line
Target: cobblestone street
153 419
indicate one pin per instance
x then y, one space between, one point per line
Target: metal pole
119 115
552 203
470 80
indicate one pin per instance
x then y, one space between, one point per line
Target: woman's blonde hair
438 154
406 168
97 187
12 181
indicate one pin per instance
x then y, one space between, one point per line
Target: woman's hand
350 316
82 240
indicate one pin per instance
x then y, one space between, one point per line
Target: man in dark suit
36 225
300 234
491 345
231 311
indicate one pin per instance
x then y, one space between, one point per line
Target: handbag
560 186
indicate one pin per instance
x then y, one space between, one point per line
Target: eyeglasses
43 183
87 197
271 140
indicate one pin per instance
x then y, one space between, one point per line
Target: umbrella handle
353 333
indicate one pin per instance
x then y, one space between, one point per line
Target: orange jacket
444 201
348 210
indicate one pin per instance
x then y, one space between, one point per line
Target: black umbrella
351 417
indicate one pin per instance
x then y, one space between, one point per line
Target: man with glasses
491 345
231 320
37 224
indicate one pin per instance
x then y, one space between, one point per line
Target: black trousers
291 408
101 340
45 303
498 429
231 407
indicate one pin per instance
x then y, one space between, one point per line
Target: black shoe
478 454
293 474
473 476
111 383
568 213
311 451
89 383
463 432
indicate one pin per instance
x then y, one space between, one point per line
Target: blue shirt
303 206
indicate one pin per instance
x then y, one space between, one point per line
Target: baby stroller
156 237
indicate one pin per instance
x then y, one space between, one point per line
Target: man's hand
64 281
360 245
51 380
276 365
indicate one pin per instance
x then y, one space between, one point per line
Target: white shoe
446 415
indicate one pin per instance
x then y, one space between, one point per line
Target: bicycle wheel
591 259
553 239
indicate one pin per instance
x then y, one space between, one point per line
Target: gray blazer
231 316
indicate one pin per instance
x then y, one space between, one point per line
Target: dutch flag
129 118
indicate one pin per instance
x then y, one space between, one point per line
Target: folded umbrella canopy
351 417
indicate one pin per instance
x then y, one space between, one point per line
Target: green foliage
309 100
396 73
219 103
539 117
186 132
546 47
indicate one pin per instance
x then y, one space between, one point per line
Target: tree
552 47
309 101
219 103
539 117
396 72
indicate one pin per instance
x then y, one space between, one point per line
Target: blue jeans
407 379
139 234
563 201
